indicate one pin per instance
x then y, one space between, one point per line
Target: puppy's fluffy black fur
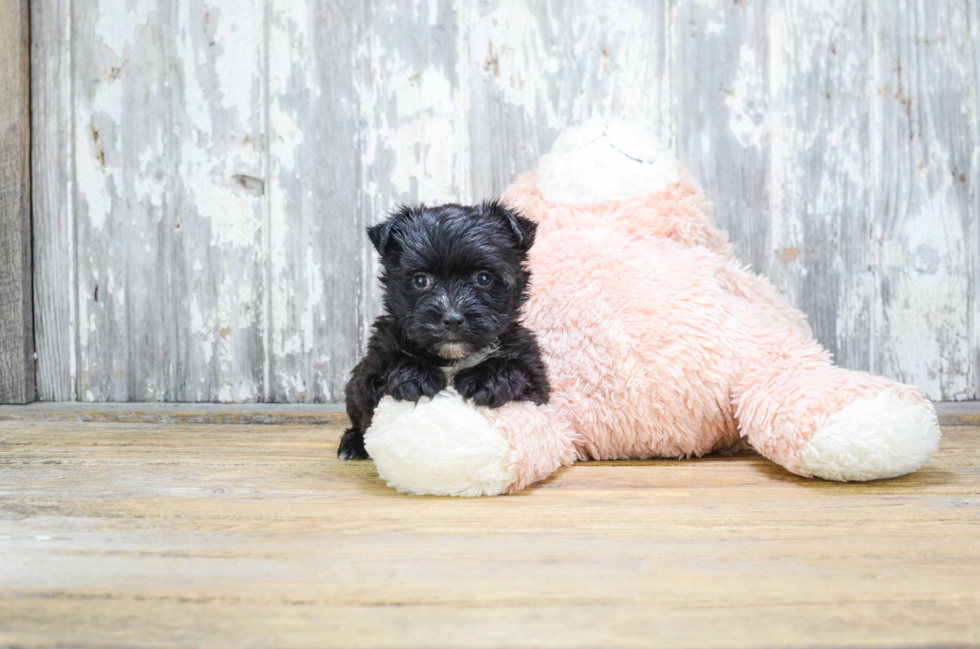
455 278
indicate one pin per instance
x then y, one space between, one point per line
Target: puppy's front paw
352 446
487 385
412 382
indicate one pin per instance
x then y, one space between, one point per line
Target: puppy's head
454 276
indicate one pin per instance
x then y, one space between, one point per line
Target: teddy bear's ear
383 235
522 228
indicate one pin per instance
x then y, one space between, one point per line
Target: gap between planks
962 413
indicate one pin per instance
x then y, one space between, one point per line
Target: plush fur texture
881 437
659 343
585 164
441 446
455 280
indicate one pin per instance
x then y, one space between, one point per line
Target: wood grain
216 220
950 413
536 67
16 298
315 252
55 296
199 413
123 209
723 116
822 252
204 169
414 112
958 413
926 221
180 535
169 216
973 271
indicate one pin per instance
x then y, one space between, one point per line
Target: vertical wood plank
125 186
925 219
215 250
536 67
974 243
314 222
821 232
53 191
16 300
169 164
723 115
414 112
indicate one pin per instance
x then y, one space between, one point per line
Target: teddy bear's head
603 160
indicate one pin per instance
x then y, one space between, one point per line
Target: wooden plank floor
149 534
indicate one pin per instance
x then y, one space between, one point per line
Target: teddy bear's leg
542 439
757 290
445 446
816 419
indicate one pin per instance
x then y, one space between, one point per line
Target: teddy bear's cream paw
870 439
442 446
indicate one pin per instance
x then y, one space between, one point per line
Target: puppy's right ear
383 234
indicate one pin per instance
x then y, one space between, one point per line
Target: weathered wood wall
204 169
16 316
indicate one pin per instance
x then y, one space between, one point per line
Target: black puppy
455 279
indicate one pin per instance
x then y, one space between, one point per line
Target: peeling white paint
202 332
232 215
748 118
412 113
926 306
151 182
224 394
239 57
451 100
115 31
196 105
98 178
775 26
113 290
512 50
425 109
287 140
313 272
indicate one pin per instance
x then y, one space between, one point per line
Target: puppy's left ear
522 228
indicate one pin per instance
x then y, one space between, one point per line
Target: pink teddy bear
658 343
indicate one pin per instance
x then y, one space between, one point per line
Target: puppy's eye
420 281
483 279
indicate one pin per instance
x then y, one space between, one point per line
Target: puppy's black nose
453 320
